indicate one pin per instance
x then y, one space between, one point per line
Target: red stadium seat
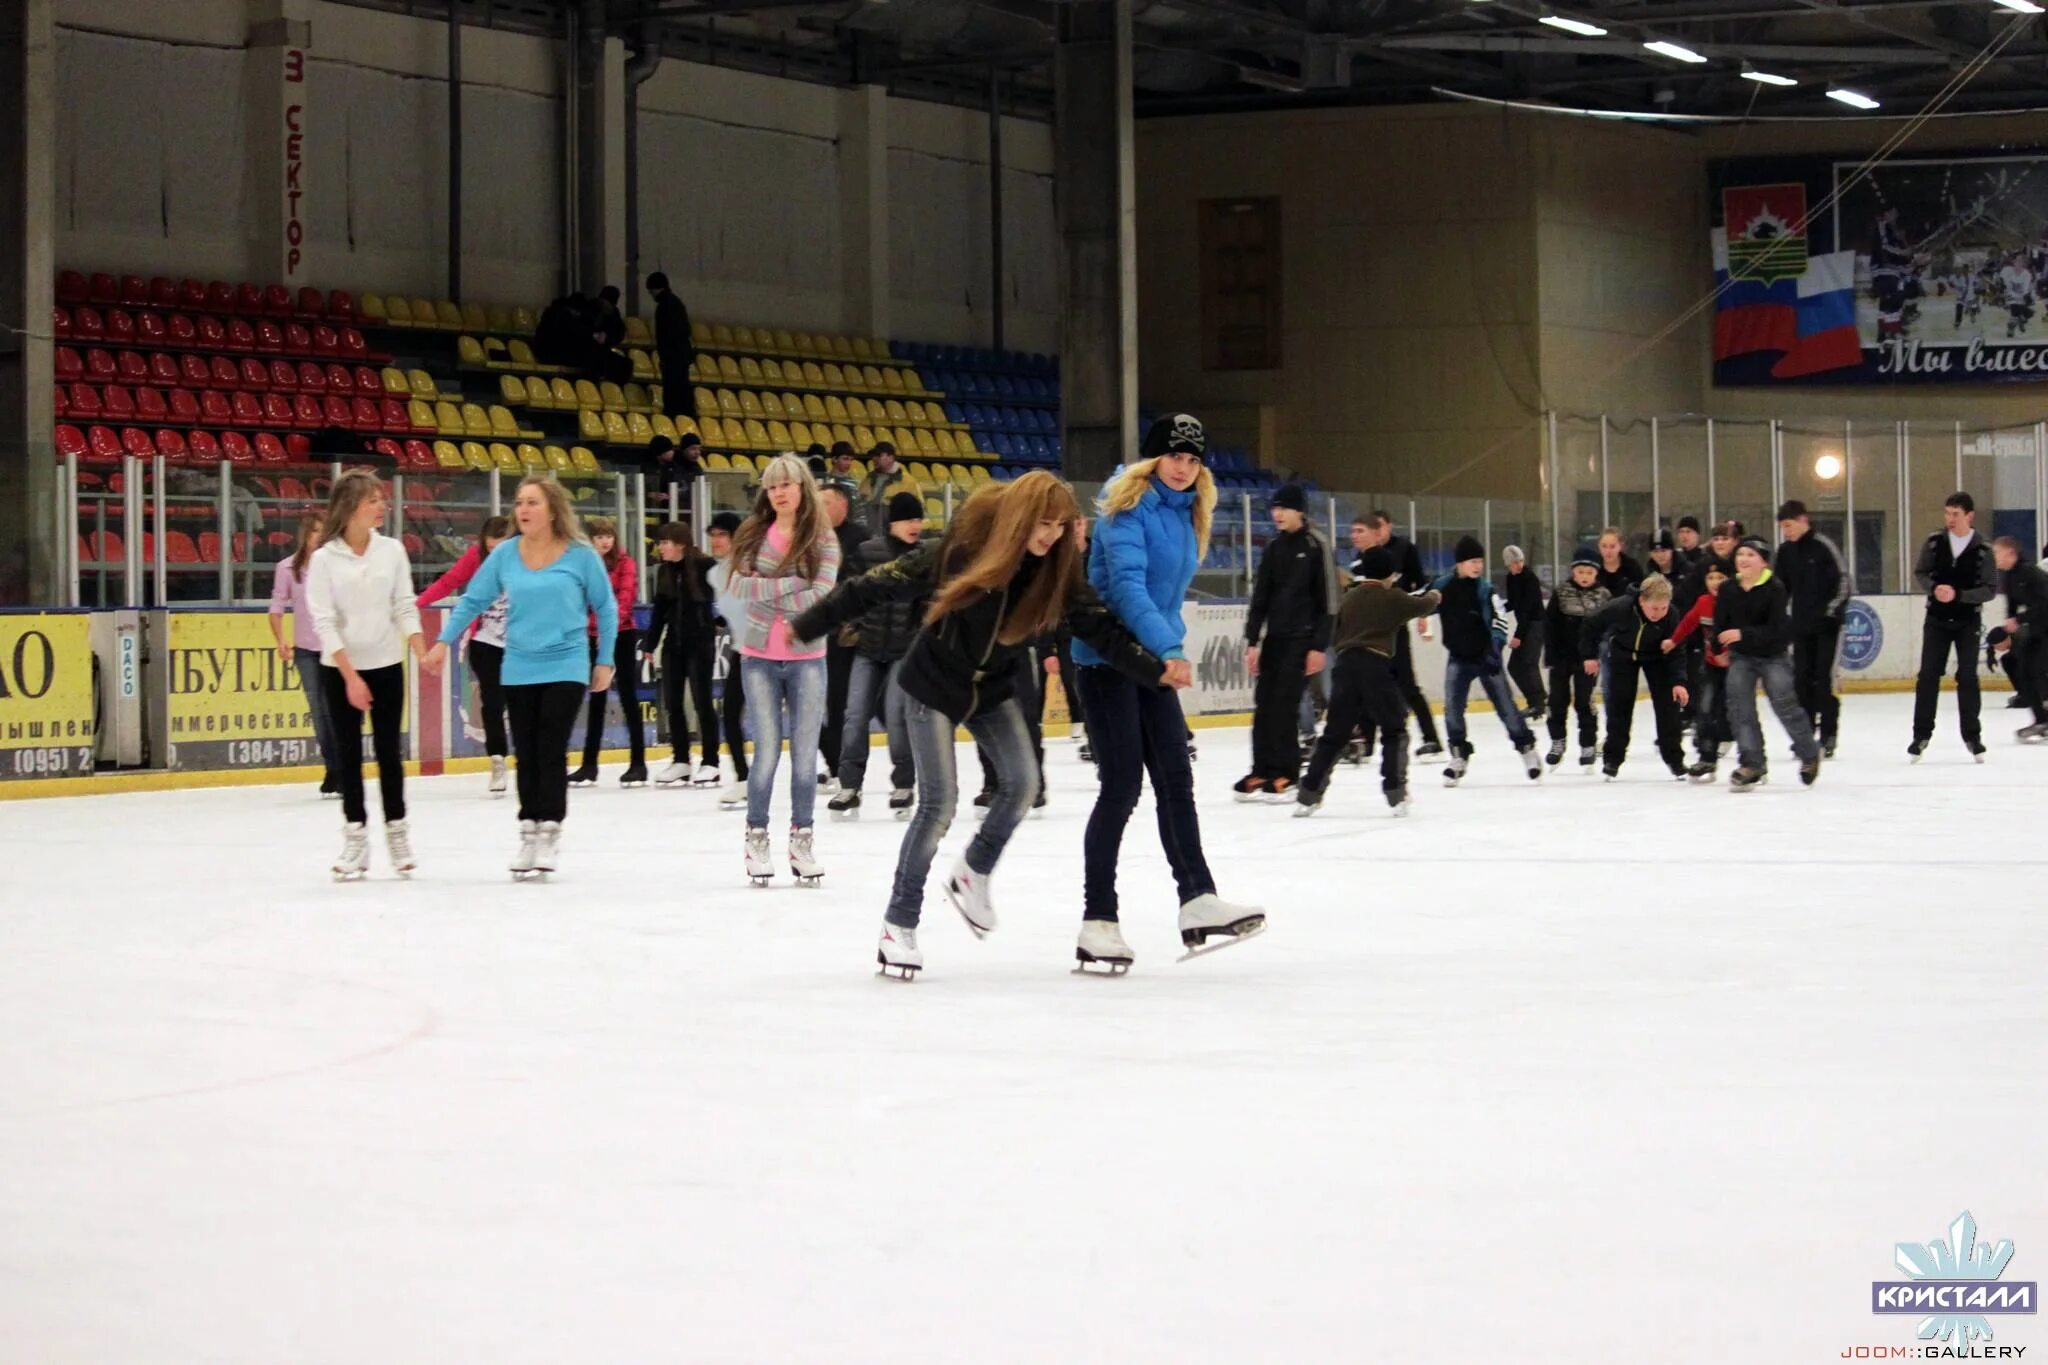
133 365
284 376
85 402
326 341
194 372
164 371
171 446
368 383
70 441
205 447
150 405
220 297
298 447
392 415
135 291
310 303
419 454
336 412
71 287
191 295
179 549
163 293
248 300
277 409
269 449
70 365
341 305
120 325
136 442
60 322
340 379
104 289
104 445
60 399
248 409
215 409
352 343
277 301
255 374
312 413
87 323
150 329
312 378
226 373
184 407
235 446
213 333
269 337
366 417
117 402
240 335
184 332
414 546
297 339
384 445
101 367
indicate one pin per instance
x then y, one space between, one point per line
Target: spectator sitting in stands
885 479
842 459
611 323
814 456
677 462
565 334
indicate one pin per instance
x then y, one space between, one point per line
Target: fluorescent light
1766 78
1852 99
2019 6
1674 51
1578 26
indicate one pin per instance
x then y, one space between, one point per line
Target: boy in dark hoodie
1524 594
1752 620
1571 687
882 637
1710 702
1365 685
2023 639
1475 632
1635 629
682 631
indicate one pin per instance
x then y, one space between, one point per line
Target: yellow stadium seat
497 318
869 377
897 413
703 369
503 423
643 364
800 437
712 430
423 314
779 437
397 312
587 395
476 457
857 410
512 388
835 408
717 462
842 348
448 418
370 309
757 435
495 354
728 404
863 438
522 322
503 457
418 384
558 459
615 427
682 426
721 336
743 338
561 393
475 421
772 372
448 456
638 333
750 370
728 370
750 404
663 426
584 462
919 470
589 426
706 400
944 441
927 444
531 460
863 349
540 394
470 352
422 416
771 407
521 354
960 474
638 430
655 399
907 378
814 376
785 343
799 405
842 432
447 315
804 344
472 316
611 396
636 397
700 334
978 474
892 380
744 464
833 376
394 383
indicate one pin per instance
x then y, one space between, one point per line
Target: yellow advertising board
46 696
234 702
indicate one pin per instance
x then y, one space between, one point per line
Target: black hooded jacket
887 628
1758 612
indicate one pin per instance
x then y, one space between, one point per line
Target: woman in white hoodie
360 592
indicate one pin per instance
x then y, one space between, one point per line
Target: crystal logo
1954 1285
1862 636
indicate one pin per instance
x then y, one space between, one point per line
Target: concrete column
29 558
601 154
864 209
281 139
1093 188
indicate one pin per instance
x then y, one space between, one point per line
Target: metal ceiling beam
1688 10
1853 13
1629 47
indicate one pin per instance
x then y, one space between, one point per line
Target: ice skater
1005 573
484 646
359 591
1633 635
1365 691
1474 635
883 634
552 582
302 647
732 699
1956 571
682 632
1817 584
1571 686
1523 592
785 558
1286 632
624 575
1619 572
1752 621
1710 697
1150 537
2023 638
1377 528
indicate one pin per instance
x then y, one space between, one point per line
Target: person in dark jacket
882 636
1571 687
1005 573
1474 634
1633 631
1710 710
682 632
1687 583
2021 643
1618 572
674 348
1663 555
564 335
1689 555
1286 632
1523 592
1378 529
609 324
852 533
1752 619
1817 584
1363 689
1956 572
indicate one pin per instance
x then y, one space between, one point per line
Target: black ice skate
2031 734
1397 802
1809 771
1703 771
1916 749
1976 748
585 776
1747 779
844 806
634 776
901 802
1556 754
1307 801
1429 748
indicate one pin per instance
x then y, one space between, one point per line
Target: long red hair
986 543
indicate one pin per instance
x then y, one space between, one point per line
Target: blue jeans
1001 734
772 684
307 661
871 688
1138 731
1459 675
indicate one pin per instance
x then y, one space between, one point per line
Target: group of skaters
1703 626
935 634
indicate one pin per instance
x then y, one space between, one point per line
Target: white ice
1568 1071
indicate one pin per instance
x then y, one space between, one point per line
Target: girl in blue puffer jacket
1150 535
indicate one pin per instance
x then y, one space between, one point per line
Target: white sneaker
354 859
546 845
398 839
1102 945
498 775
529 846
759 866
803 861
968 890
677 771
898 952
705 776
736 799
1210 916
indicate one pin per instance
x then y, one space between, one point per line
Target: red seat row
212 407
216 296
101 445
193 370
104 547
180 331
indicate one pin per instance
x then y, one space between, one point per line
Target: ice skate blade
760 879
1090 965
845 817
954 899
1302 812
818 880
1399 812
533 875
903 814
896 971
343 876
628 786
1205 946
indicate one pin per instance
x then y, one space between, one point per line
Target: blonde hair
987 542
1655 588
345 497
804 544
562 520
1127 489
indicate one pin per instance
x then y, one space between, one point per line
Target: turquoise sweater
547 624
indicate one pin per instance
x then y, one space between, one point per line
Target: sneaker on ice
898 952
1102 945
968 890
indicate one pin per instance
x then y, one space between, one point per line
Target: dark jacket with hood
1759 612
959 665
1624 576
1570 607
684 608
1523 593
887 628
1632 636
1816 580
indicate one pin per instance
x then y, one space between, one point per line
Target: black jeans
486 663
1525 667
626 687
387 712
1077 710
1031 701
1711 731
1623 675
1937 637
2026 663
543 715
1813 673
1138 731
838 673
732 711
1411 691
1364 693
1276 707
1572 689
686 670
677 395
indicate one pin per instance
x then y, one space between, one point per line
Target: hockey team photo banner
1929 270
46 694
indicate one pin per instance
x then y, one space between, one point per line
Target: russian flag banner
1826 336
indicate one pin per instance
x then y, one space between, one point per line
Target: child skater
1635 629
485 645
1005 573
625 659
1474 634
1571 687
1753 621
301 648
1710 704
359 591
1365 688
682 632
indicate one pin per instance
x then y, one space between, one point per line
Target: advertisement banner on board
46 695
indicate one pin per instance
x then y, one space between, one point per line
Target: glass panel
1628 484
192 547
1742 476
1815 473
1578 477
1874 467
1930 477
1998 472
1682 473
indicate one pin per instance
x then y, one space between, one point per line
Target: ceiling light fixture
2019 6
1768 78
1852 99
1578 26
1674 51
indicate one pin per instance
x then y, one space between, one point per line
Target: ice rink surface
1558 1072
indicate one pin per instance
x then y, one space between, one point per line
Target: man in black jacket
1286 631
884 633
837 500
1751 620
1688 557
1817 585
1379 530
2022 642
1523 593
1956 572
673 348
682 631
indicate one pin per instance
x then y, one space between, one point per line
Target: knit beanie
1290 496
1469 548
1175 431
1663 540
1513 555
1585 554
1758 544
906 507
728 522
1377 563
